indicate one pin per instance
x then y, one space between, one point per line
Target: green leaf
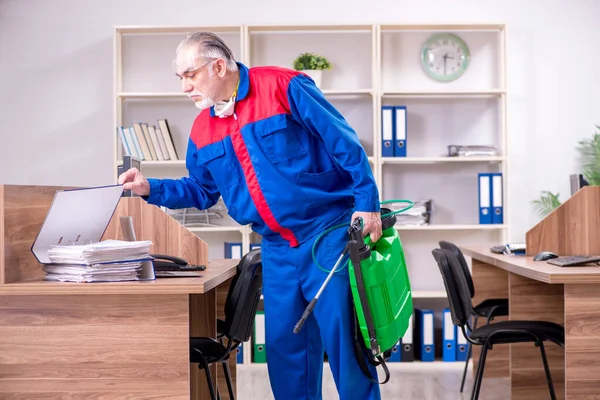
311 61
589 151
547 203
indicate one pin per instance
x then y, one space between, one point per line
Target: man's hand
371 224
133 180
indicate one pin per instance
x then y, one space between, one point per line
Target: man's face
198 79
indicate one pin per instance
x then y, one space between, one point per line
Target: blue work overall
287 163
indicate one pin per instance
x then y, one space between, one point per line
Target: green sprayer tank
383 301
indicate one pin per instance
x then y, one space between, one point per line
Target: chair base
480 367
469 352
205 365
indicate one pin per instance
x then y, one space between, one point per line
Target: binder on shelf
408 354
485 198
462 346
152 142
165 130
134 139
497 198
258 339
142 140
425 349
127 145
396 355
160 145
240 354
400 131
387 131
233 250
449 337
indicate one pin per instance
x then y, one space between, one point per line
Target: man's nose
186 86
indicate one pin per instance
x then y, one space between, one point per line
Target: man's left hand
371 224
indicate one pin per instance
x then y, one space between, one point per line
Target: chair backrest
243 297
463 263
456 286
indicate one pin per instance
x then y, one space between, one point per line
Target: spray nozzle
356 225
355 231
357 247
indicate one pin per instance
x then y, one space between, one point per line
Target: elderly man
287 162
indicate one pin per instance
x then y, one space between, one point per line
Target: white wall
56 78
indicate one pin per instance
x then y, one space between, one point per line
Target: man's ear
220 67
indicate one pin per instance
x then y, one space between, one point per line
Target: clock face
445 57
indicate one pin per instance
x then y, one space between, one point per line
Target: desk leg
203 322
490 283
204 311
538 301
582 329
222 291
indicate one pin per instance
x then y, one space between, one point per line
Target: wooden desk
108 340
537 290
125 340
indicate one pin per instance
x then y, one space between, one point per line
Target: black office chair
489 308
240 311
503 332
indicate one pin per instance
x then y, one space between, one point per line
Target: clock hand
445 59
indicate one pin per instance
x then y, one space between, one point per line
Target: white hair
209 45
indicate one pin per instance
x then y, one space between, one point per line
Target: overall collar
243 86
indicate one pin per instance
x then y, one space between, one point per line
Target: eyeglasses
189 66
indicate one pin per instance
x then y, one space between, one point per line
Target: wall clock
445 57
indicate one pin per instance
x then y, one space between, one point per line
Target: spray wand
313 302
356 238
357 248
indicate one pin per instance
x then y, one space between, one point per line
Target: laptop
76 216
81 216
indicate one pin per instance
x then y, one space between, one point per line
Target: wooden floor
420 381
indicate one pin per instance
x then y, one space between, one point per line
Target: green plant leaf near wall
589 151
547 203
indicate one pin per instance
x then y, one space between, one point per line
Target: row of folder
394 136
234 249
259 350
418 343
393 131
148 142
491 199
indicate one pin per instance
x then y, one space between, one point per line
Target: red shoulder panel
267 95
207 130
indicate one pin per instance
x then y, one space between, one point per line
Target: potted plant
589 152
312 65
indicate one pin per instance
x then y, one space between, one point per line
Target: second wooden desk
569 296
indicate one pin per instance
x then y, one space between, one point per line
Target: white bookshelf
373 65
443 160
450 227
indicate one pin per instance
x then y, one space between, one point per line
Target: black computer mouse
544 255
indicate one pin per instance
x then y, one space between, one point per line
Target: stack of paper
107 261
471 151
419 214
